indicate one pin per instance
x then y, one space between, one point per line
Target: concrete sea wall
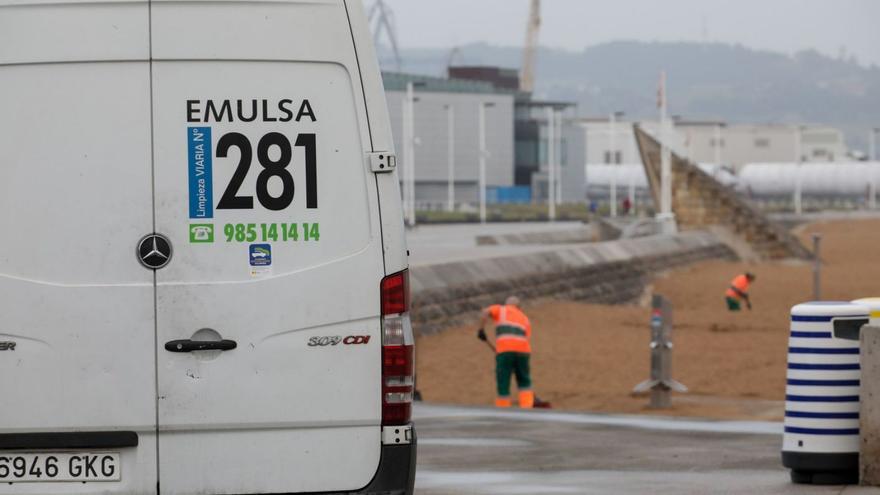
613 272
570 236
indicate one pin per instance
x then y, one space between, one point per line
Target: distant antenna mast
382 20
527 78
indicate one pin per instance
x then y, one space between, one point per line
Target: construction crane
382 20
530 53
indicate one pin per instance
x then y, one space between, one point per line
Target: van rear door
77 326
268 314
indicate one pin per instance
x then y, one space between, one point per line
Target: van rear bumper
396 474
397 470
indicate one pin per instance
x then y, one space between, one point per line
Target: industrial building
439 102
518 137
569 158
533 136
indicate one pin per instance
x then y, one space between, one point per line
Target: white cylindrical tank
599 174
817 179
821 441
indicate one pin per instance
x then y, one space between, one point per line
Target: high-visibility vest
512 329
741 283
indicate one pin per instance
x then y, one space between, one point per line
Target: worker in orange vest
739 291
512 351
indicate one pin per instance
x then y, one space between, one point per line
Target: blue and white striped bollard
821 441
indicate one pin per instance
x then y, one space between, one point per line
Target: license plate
25 467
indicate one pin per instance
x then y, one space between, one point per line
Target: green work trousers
507 363
733 304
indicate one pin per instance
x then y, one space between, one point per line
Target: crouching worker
512 351
739 291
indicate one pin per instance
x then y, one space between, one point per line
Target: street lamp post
612 139
558 146
798 186
450 117
484 154
665 218
872 144
409 154
634 153
586 163
551 165
631 194
872 156
872 191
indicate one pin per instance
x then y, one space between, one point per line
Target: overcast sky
779 25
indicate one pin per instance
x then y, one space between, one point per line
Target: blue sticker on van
261 255
201 181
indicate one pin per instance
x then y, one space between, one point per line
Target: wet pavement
487 451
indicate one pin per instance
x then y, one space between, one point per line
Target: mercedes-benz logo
154 251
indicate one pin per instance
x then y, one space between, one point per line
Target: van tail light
398 356
395 294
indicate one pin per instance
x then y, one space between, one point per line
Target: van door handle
193 345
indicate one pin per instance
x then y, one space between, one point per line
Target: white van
203 285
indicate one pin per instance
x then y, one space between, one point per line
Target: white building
608 142
719 143
738 144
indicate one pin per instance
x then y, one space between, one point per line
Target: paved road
486 451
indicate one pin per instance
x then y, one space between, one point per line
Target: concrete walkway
486 451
